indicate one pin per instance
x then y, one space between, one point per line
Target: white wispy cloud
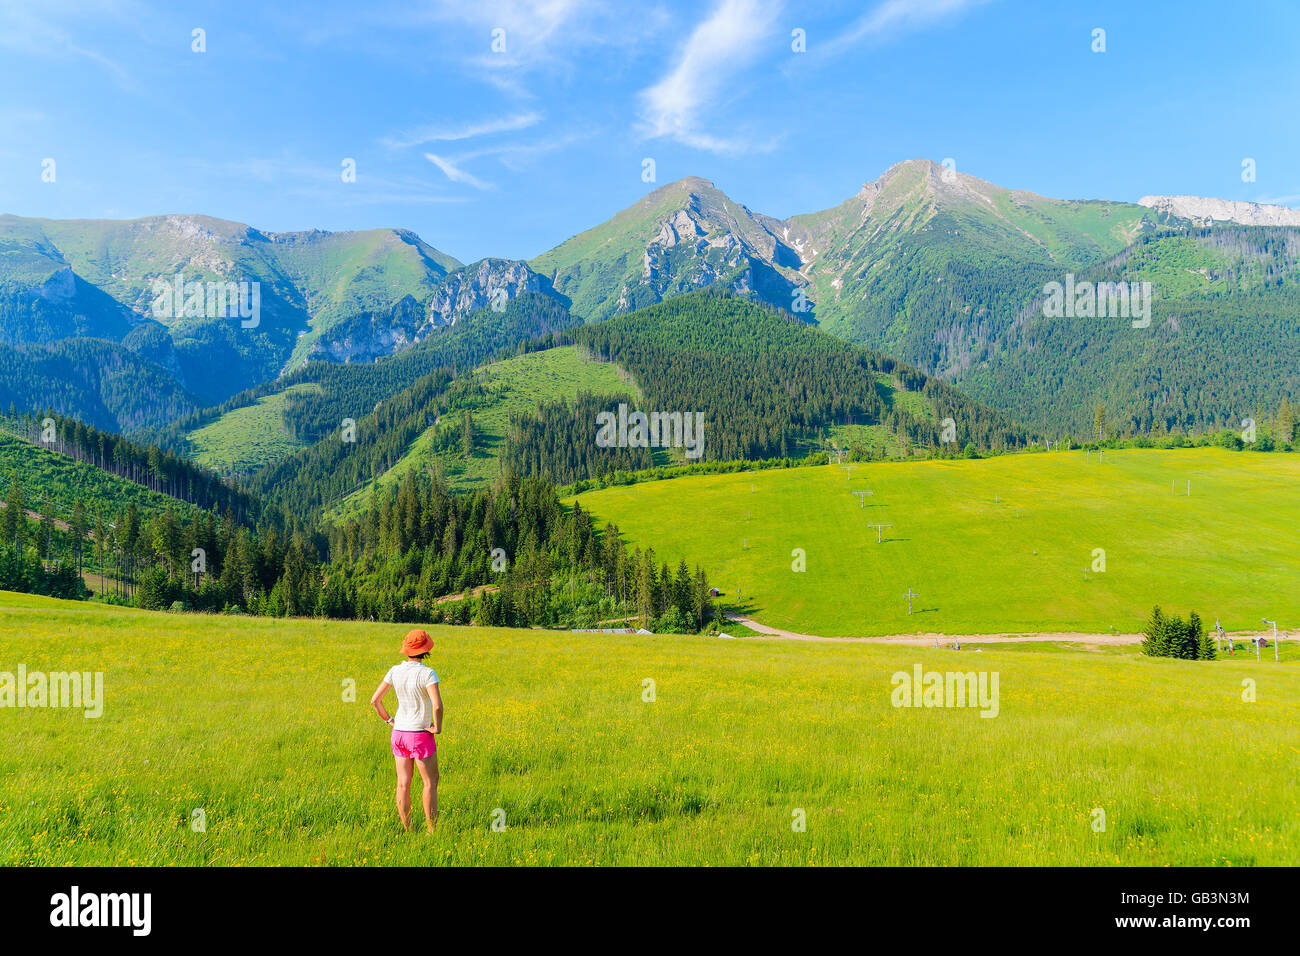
516 156
891 18
295 177
539 40
531 28
51 30
455 173
512 155
431 134
717 50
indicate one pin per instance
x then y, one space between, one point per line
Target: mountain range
940 269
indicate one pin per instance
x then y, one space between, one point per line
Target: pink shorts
414 743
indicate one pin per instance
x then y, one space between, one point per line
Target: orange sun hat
417 642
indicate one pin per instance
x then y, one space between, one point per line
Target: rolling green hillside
990 546
770 386
766 386
48 475
88 457
512 386
310 404
250 436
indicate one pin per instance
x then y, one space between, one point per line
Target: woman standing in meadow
416 724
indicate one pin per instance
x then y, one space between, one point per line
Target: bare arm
436 697
377 701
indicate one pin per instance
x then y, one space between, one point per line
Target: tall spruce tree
1156 642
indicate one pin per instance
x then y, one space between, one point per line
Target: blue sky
509 152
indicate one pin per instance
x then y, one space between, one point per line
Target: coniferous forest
510 555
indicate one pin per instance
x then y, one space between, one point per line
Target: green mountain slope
100 278
1221 346
47 476
87 461
931 264
770 386
249 436
680 237
945 272
102 383
501 390
346 274
310 404
913 264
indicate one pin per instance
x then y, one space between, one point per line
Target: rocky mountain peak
1205 210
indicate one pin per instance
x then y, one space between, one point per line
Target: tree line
148 466
507 555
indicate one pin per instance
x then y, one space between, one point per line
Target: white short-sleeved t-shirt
414 707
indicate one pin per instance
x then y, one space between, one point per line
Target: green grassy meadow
43 472
246 720
523 382
878 438
246 438
990 546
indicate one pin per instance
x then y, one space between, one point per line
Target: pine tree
1205 650
1285 421
78 530
14 523
1156 642
645 596
682 596
101 547
47 527
1195 639
703 600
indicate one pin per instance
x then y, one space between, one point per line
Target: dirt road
928 639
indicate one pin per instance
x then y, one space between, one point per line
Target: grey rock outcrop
1204 210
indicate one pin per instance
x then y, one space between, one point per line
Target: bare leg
429 773
404 790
